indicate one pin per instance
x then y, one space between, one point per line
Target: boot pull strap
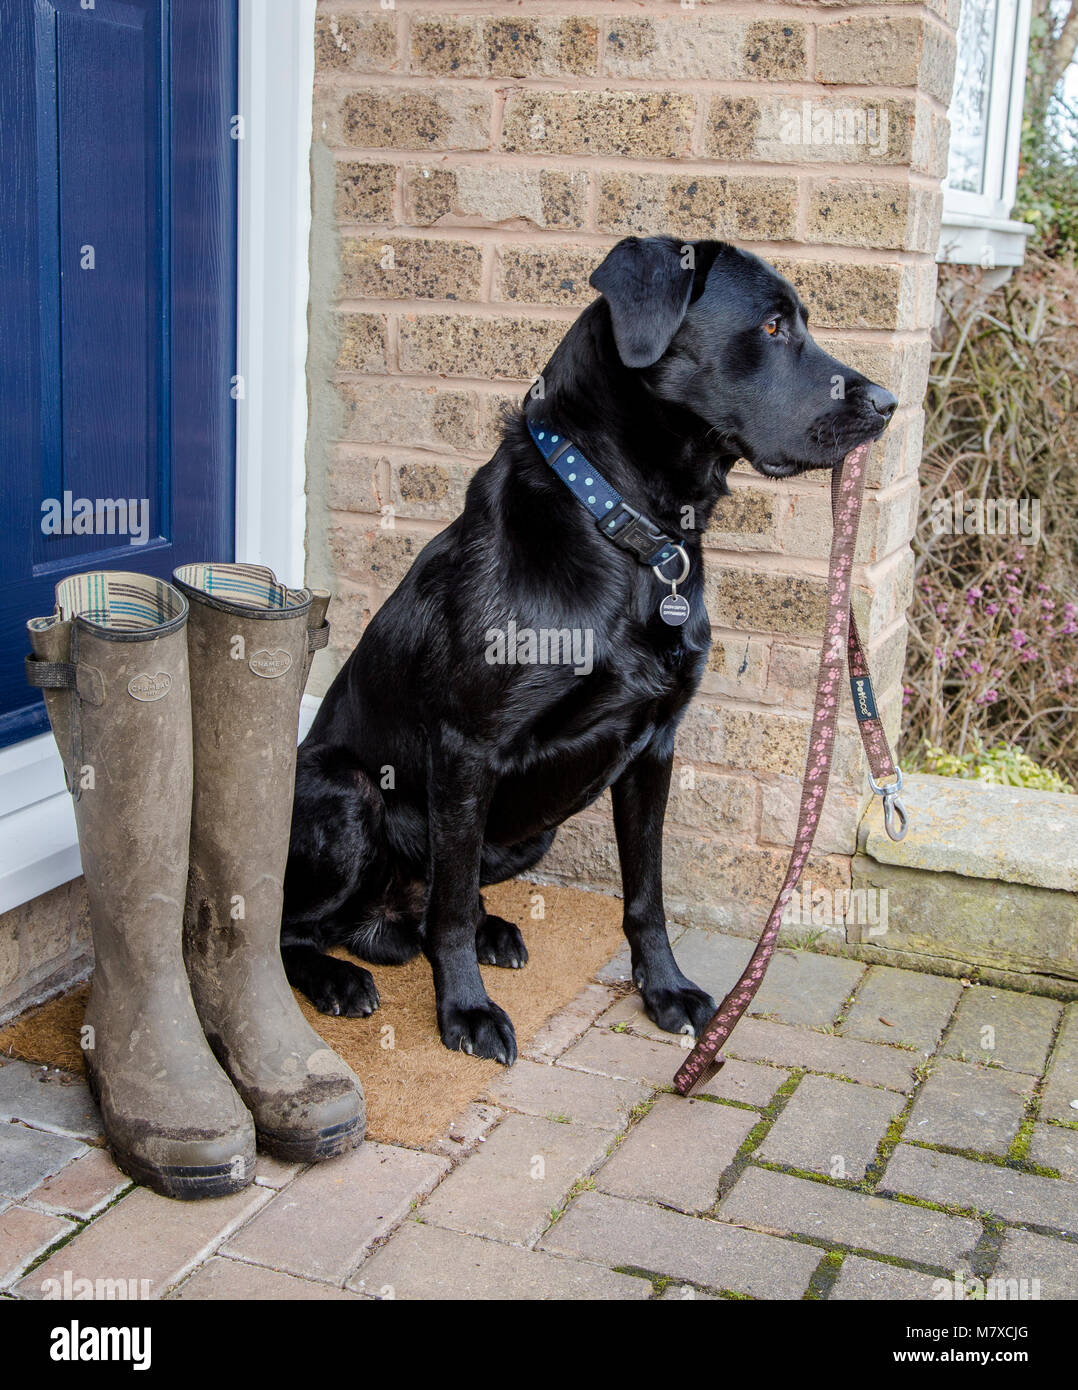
86 681
317 627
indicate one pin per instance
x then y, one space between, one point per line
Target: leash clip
895 820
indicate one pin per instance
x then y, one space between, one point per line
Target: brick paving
875 1131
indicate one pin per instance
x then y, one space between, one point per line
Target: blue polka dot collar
615 519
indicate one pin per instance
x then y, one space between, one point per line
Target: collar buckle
633 531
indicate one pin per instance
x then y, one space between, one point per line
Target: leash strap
616 520
841 642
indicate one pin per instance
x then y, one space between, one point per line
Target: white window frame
976 228
38 844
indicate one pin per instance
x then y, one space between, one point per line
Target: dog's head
718 332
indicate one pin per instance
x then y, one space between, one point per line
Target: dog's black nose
881 401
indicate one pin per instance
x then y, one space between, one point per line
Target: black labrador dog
443 758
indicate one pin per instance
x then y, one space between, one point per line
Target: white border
38 845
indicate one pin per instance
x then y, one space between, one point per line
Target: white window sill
970 239
39 848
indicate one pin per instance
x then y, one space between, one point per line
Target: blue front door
117 300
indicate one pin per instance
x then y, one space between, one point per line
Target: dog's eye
771 327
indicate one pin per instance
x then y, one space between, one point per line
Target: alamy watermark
837 908
960 515
545 646
97 516
813 123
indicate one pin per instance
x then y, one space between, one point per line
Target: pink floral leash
847 491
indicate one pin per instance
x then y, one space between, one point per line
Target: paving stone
686 1293
623 1055
272 1172
755 1039
901 1006
985 1187
800 987
1021 1028
151 1240
468 1130
24 1235
29 1156
865 1280
563 1093
83 1188
568 1024
970 1107
511 1188
1028 1256
677 1153
1054 1147
780 1203
427 1262
231 1280
1060 1099
633 1235
831 1127
49 1100
325 1220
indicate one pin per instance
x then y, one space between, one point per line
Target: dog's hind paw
683 1009
498 942
483 1031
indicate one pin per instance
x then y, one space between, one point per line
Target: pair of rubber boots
175 708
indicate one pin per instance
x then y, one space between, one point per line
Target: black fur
430 772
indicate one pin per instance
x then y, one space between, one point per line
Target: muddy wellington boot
112 662
250 642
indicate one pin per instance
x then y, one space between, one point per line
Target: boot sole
314 1148
185 1183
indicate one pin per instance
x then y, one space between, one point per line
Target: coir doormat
414 1085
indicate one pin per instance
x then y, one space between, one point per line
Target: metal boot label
147 687
270 664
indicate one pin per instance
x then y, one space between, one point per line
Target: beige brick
409 268
584 852
642 124
352 609
857 212
712 873
362 43
841 815
697 205
492 409
222 1280
24 1235
776 129
511 1188
545 274
365 191
357 482
554 199
365 551
457 345
517 47
903 51
149 1239
81 1189
786 603
361 342
746 520
736 664
710 801
387 413
325 1221
709 46
541 47
407 118
849 294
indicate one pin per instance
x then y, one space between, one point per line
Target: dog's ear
647 283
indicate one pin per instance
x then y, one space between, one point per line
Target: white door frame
38 845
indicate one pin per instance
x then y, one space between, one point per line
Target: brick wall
472 163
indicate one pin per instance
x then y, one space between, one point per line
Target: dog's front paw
498 942
340 988
482 1031
679 1008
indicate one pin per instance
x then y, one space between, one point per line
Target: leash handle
842 643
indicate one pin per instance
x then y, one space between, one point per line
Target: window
986 124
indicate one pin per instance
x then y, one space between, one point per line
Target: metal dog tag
674 609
